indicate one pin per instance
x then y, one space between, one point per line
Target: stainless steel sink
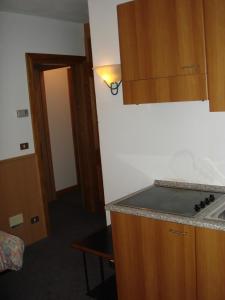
217 214
222 215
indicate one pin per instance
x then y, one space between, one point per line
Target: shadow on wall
128 176
185 165
137 172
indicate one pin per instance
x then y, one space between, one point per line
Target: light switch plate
22 113
16 220
24 146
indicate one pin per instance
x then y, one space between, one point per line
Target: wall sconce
111 75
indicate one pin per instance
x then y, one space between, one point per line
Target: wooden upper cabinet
170 36
215 54
128 41
154 259
162 50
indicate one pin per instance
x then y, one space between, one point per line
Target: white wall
60 128
20 34
140 143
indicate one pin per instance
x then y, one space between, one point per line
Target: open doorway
63 145
84 128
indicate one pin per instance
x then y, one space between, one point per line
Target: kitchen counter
198 220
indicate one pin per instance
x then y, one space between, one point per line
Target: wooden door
210 262
215 52
86 131
154 259
89 161
162 50
41 130
96 143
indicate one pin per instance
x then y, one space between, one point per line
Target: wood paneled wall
20 192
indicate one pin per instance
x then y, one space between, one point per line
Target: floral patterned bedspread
11 252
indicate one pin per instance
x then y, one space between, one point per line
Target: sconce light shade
111 75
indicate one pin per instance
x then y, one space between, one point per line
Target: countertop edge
198 222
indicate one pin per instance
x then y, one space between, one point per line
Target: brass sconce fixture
111 75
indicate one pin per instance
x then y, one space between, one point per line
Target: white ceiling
68 10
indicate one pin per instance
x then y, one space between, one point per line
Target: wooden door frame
36 64
73 123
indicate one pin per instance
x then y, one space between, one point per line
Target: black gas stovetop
177 201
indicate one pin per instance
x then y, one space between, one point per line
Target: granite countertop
198 220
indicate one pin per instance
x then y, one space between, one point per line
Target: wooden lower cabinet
155 260
210 254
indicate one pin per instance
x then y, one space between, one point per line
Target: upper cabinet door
215 52
128 41
170 35
162 50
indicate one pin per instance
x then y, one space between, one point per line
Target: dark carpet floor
52 270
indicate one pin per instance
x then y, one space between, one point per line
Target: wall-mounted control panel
22 113
16 220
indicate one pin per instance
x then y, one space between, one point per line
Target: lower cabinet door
210 254
155 260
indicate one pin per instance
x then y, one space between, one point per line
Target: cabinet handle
176 232
193 68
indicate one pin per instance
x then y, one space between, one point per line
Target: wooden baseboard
66 190
12 159
21 194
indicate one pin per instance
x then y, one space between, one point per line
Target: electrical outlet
34 220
